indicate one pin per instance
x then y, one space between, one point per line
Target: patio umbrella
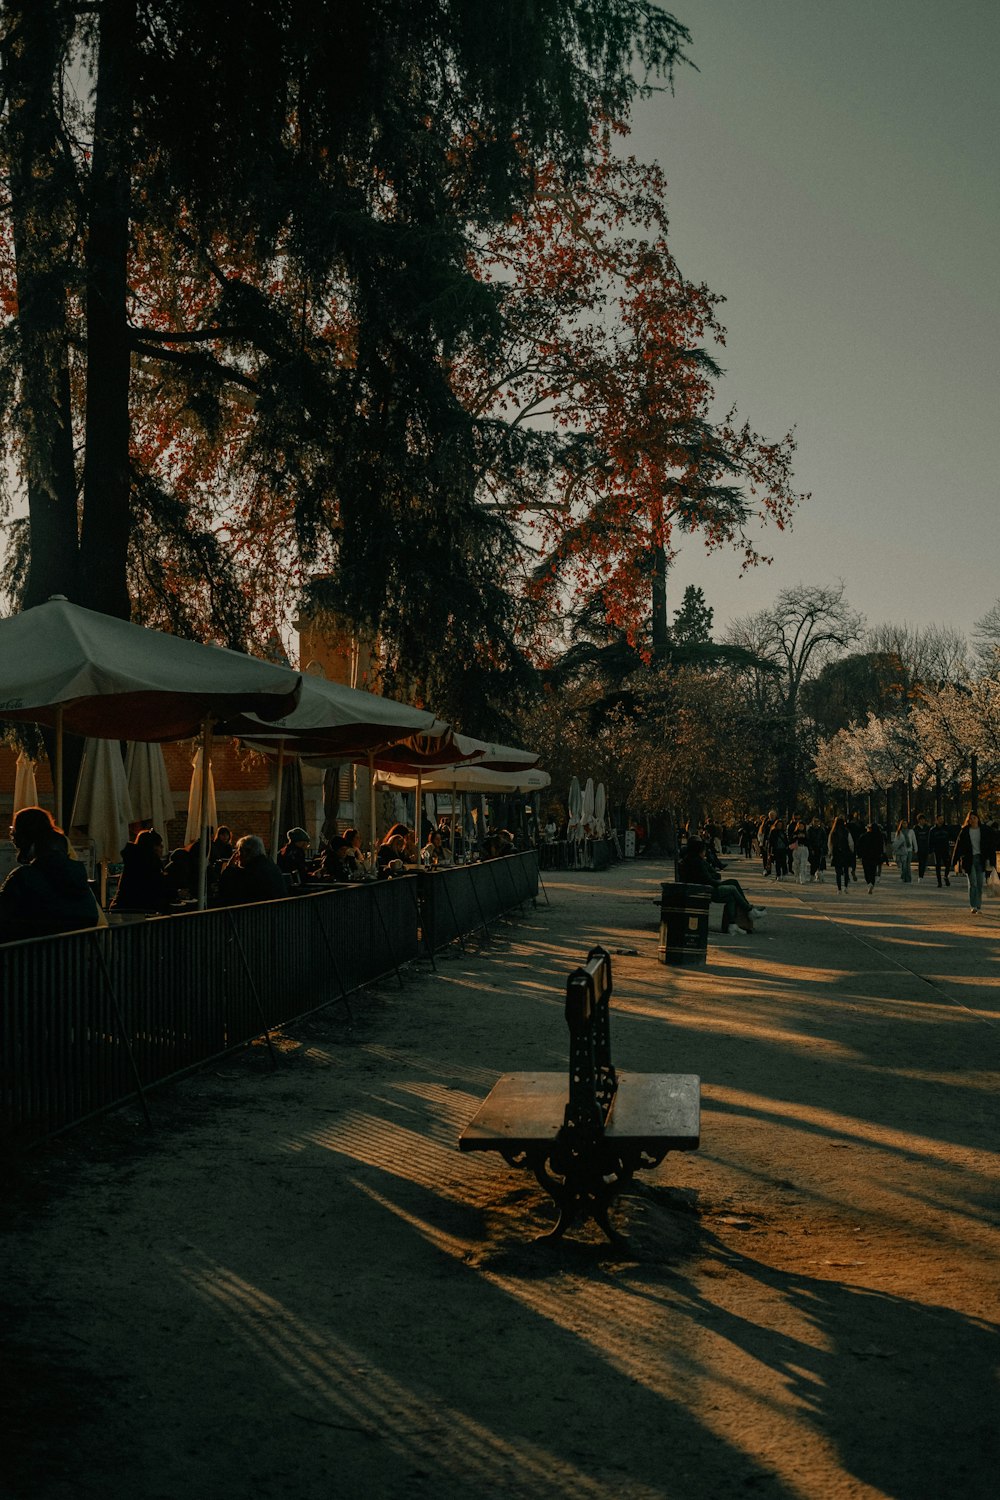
91 674
600 806
574 811
101 805
587 809
149 786
471 778
202 812
25 790
333 720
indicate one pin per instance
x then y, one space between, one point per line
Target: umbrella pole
276 815
454 847
418 815
59 767
206 753
371 805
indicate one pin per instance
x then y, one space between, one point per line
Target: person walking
902 851
841 851
855 828
798 843
816 839
973 853
777 846
922 838
871 848
940 843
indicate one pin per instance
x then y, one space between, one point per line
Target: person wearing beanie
292 857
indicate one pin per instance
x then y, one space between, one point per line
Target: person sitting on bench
694 869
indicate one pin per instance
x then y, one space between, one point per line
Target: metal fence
459 900
89 1018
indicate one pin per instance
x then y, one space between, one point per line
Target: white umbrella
25 790
149 786
201 812
587 809
332 720
101 805
112 679
471 778
574 810
92 674
600 806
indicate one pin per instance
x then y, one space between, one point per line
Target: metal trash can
684 923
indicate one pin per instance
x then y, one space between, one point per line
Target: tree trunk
661 629
42 220
106 477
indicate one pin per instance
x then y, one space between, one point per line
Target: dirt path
298 1287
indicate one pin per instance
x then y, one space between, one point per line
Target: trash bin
684 923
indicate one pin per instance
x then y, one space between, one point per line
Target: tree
807 624
603 376
693 621
251 275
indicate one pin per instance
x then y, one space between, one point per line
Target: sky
833 170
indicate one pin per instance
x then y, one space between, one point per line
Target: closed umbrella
149 786
102 806
600 807
574 810
201 812
25 789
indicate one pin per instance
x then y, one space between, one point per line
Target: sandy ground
297 1286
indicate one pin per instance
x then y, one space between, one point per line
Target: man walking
939 843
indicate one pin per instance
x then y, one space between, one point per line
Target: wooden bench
584 1149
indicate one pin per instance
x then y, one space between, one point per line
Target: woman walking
902 849
841 851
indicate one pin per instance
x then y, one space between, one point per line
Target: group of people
805 850
49 891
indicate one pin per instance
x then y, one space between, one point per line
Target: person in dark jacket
816 839
841 850
182 871
292 857
221 851
694 869
940 847
922 836
48 892
250 875
974 853
871 848
143 885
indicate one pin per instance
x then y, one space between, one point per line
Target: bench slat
526 1109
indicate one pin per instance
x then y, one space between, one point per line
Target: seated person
182 872
250 875
339 863
390 855
222 846
694 869
48 892
354 857
434 852
143 885
292 858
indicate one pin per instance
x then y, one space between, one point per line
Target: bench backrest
592 1078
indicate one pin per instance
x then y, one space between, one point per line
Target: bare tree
986 642
925 655
807 626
